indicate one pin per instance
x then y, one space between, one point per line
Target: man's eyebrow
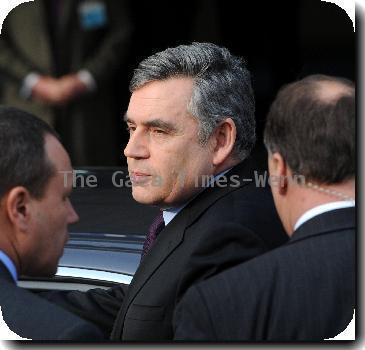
154 123
158 123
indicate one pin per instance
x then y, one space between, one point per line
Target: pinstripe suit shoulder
304 290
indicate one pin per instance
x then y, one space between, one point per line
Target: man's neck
228 164
170 212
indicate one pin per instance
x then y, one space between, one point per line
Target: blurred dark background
281 41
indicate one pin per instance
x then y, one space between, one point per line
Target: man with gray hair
304 290
192 128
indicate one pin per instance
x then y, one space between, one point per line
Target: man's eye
158 131
130 128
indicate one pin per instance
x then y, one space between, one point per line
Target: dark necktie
156 227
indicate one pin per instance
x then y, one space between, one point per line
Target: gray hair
222 88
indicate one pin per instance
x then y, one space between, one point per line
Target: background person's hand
47 90
60 91
72 87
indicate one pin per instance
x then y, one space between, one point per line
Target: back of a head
222 87
311 124
23 161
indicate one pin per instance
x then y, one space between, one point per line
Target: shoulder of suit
33 317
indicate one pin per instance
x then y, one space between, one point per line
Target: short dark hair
23 160
314 134
222 88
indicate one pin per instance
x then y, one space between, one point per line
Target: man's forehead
56 154
164 91
159 102
158 115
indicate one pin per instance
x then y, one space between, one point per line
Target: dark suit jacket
304 290
218 229
88 124
34 318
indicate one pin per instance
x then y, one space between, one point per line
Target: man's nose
137 146
73 216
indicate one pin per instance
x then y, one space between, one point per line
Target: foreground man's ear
279 172
17 204
224 138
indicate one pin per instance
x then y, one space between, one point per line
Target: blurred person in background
60 60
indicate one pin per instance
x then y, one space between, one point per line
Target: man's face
164 155
52 213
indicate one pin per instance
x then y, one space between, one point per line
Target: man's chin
145 197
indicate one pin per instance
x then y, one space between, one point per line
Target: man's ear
279 172
224 138
17 204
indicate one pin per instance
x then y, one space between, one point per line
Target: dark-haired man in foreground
34 214
304 290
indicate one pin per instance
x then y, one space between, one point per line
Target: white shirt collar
320 209
169 214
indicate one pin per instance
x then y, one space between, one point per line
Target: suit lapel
168 240
334 220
